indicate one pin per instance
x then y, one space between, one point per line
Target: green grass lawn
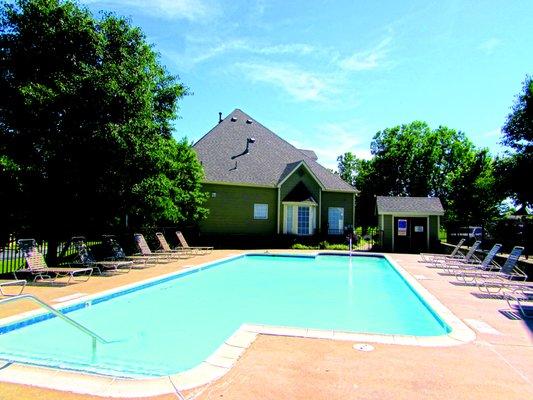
7 266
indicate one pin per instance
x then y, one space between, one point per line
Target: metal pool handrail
95 337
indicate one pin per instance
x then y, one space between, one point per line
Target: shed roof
269 159
419 205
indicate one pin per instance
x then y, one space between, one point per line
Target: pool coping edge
226 355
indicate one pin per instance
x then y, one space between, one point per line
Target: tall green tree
518 135
86 125
348 165
358 172
415 160
472 196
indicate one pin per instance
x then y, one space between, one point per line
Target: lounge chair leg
43 277
19 282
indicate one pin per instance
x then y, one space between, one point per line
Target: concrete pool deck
498 363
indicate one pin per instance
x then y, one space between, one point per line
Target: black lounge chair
86 258
116 252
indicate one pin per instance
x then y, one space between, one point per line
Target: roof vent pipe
248 121
219 117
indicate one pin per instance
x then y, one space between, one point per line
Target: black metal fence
371 240
11 258
509 232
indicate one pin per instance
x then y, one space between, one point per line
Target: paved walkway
498 364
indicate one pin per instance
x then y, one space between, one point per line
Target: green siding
387 232
433 231
300 175
232 210
336 199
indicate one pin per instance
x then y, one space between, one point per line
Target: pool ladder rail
95 337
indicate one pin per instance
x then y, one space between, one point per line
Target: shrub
299 246
321 246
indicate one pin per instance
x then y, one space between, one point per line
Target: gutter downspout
279 208
392 229
320 210
353 211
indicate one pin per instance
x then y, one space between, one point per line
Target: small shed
409 224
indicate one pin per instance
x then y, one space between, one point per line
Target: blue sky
327 75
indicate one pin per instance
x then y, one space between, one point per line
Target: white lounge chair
516 300
430 257
165 247
36 265
145 251
18 283
488 264
509 276
199 250
469 257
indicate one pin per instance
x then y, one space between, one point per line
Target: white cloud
368 59
490 139
243 45
192 10
338 138
494 133
300 84
292 48
489 45
208 51
200 49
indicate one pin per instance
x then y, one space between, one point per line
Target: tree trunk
51 254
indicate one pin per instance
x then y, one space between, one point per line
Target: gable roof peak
263 157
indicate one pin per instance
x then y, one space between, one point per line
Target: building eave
241 184
302 163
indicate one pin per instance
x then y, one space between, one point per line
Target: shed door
419 234
402 235
410 234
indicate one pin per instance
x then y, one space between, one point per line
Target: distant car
470 233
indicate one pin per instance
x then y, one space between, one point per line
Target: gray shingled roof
427 205
309 153
270 158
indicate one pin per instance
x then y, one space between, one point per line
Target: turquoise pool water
174 325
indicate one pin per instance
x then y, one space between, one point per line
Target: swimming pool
173 324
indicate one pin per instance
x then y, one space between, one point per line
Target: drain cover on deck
363 347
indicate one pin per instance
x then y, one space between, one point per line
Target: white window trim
312 217
342 220
255 211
